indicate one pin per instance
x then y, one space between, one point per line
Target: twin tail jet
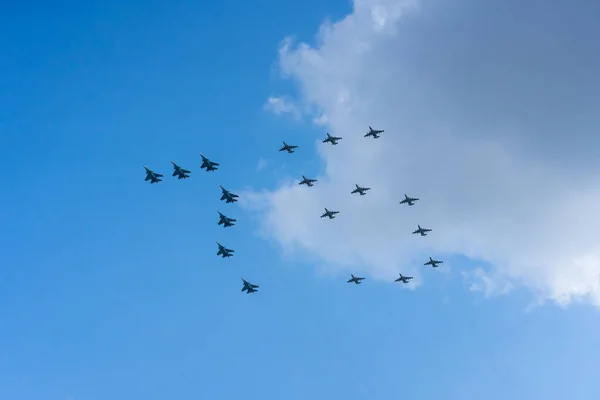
421 231
224 252
329 214
152 176
374 133
208 165
249 287
225 221
288 147
360 190
228 196
179 172
332 139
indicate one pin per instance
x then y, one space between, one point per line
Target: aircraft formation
229 197
362 191
226 196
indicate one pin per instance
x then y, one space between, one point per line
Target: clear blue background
110 287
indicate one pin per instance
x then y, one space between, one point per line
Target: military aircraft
403 279
248 287
332 139
306 181
228 196
225 221
421 231
288 147
374 133
224 252
360 190
355 279
329 214
180 172
152 176
433 263
208 165
409 200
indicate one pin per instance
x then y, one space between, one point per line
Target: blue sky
110 287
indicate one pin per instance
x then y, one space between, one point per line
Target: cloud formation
490 117
282 105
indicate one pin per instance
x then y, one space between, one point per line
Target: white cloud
282 105
262 163
493 123
490 285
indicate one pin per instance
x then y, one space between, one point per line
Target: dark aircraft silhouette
360 190
421 231
307 182
332 139
355 279
433 263
409 200
208 165
224 252
225 221
151 176
329 214
374 133
248 287
403 279
180 172
228 196
288 147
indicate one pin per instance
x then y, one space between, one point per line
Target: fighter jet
409 200
228 196
306 181
225 221
224 252
332 139
433 263
152 176
288 147
403 279
248 287
421 231
180 172
355 279
374 133
329 214
208 165
360 190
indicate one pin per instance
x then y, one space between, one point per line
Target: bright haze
491 118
